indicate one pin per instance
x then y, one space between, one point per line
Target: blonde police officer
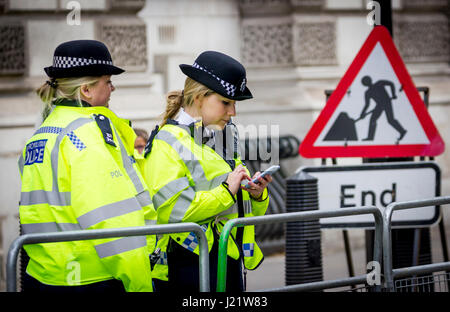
78 173
194 174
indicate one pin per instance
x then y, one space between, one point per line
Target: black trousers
184 270
31 284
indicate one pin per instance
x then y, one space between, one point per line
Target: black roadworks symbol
344 129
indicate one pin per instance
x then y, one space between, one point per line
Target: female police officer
78 173
194 172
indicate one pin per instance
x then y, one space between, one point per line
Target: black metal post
348 250
386 15
348 255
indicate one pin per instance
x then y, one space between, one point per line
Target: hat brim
213 84
95 70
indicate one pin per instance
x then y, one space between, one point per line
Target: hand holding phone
270 171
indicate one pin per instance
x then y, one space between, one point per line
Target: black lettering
364 195
387 192
345 195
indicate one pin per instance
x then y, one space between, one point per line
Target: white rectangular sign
377 185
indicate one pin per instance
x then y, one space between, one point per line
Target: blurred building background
293 50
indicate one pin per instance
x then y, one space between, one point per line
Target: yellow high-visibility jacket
78 173
185 181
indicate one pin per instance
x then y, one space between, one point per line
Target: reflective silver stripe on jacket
57 198
170 189
182 184
182 205
235 208
191 161
108 211
21 164
47 227
232 209
53 197
247 206
55 151
45 197
120 245
143 196
150 222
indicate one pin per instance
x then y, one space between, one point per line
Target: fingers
256 189
257 186
241 172
263 182
235 178
256 174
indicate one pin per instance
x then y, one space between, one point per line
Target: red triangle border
435 147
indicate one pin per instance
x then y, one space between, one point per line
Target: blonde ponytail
174 101
185 98
62 88
46 93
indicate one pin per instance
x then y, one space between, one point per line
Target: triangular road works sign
375 111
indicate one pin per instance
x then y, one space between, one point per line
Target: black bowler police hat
81 58
220 73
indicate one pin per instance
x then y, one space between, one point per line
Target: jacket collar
123 126
72 103
187 120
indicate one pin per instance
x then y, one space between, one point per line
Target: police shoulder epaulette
105 127
148 146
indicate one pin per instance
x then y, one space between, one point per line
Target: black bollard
303 262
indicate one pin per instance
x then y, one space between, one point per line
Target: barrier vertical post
297 216
387 239
222 261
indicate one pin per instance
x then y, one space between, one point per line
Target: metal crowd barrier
382 247
301 216
11 264
412 281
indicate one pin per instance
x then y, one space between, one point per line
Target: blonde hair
184 98
63 88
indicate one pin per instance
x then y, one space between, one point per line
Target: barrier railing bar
387 240
294 216
360 279
421 269
11 264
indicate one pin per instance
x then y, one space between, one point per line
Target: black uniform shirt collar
72 103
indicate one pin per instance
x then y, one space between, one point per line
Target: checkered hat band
230 89
68 62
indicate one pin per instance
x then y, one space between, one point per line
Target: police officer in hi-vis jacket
194 172
78 173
